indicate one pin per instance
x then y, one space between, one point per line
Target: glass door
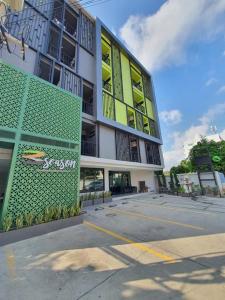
119 182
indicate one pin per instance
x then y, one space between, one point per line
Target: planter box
107 200
37 230
87 203
98 201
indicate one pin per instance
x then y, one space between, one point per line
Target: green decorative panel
39 112
117 76
12 84
51 112
139 121
121 112
108 106
34 188
147 87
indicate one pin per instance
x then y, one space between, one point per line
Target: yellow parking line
176 209
133 243
10 260
139 215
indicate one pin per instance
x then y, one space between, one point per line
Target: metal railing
53 51
107 86
88 148
87 108
137 85
106 59
67 59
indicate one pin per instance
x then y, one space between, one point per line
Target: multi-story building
59 42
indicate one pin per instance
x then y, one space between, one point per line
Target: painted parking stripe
142 216
134 244
176 209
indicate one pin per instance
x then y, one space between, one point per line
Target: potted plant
86 200
107 197
29 225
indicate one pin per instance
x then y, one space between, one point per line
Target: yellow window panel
127 88
150 110
121 112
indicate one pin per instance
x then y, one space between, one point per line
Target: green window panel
108 106
150 110
147 87
139 121
12 84
145 125
33 190
117 75
126 78
51 111
131 117
121 112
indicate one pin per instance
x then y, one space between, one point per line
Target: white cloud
171 117
221 90
191 135
211 81
223 53
161 39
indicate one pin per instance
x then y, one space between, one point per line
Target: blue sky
182 43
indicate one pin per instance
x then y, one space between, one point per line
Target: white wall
144 175
107 142
15 59
86 65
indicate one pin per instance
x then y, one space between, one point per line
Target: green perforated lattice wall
50 111
34 189
117 76
108 106
34 108
12 85
147 87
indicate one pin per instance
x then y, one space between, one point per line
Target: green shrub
57 212
39 219
72 211
77 209
28 219
7 223
48 215
19 222
65 212
107 194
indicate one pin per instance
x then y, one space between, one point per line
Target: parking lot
143 247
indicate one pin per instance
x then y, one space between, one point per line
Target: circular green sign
216 158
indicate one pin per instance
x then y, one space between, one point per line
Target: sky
182 44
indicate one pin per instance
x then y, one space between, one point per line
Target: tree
213 149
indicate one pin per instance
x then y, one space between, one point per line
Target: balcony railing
107 86
106 59
88 148
53 51
137 85
87 108
71 29
68 60
140 107
134 156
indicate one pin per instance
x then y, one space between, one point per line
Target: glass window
152 153
45 68
91 180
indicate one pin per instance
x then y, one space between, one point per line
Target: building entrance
119 182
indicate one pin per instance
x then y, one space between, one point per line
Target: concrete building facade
61 43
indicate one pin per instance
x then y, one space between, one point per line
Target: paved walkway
145 247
